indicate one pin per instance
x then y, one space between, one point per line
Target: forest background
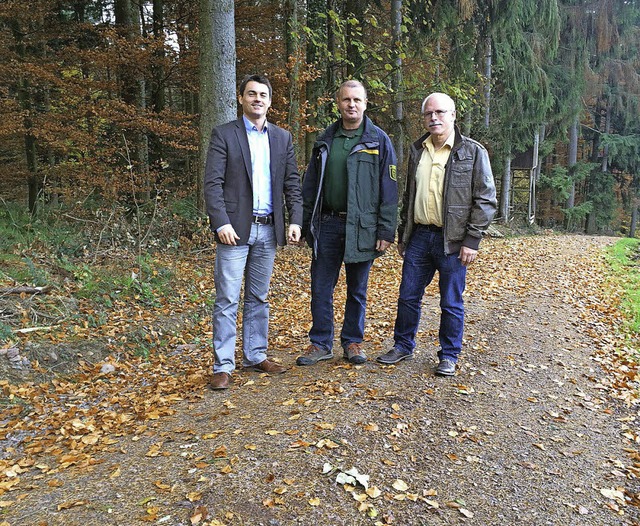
106 105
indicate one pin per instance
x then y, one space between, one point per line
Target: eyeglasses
437 113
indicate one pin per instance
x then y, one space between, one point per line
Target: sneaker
313 354
354 353
395 355
446 367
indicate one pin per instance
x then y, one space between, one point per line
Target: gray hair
449 99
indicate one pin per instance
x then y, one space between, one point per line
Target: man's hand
467 255
382 245
294 234
228 235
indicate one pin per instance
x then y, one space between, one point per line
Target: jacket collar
457 140
368 133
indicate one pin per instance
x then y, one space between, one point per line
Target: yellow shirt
430 182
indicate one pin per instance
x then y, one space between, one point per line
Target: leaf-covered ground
539 427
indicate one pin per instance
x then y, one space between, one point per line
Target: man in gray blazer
250 176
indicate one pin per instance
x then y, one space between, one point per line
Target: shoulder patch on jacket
372 152
393 172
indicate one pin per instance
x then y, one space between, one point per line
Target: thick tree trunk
133 92
217 75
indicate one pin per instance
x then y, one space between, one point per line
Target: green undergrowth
624 259
89 255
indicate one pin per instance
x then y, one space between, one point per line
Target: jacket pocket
461 172
367 231
457 219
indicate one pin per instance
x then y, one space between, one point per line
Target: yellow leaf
116 473
325 425
315 501
272 432
194 496
360 497
400 485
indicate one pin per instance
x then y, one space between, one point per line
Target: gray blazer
228 182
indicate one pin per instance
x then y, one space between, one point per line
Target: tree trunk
487 81
158 95
355 62
572 161
505 189
332 67
634 218
542 133
314 88
292 40
26 104
133 92
398 109
217 75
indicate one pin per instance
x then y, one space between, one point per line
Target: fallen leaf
466 513
400 485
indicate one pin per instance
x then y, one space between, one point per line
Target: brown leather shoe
220 381
267 367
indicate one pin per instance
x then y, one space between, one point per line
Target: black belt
263 220
431 228
332 213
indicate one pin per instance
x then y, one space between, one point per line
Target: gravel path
525 433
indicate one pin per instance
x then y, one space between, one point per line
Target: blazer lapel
274 152
241 133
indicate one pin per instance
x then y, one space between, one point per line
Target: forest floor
538 427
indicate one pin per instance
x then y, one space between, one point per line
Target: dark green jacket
372 192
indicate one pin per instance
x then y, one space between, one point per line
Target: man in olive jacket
448 204
350 201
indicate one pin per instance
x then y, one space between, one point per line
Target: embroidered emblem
392 172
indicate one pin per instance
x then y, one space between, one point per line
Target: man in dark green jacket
350 201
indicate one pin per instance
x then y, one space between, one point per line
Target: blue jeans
254 262
424 254
325 270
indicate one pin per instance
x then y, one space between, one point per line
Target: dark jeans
424 254
325 270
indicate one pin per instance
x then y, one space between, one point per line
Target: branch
25 290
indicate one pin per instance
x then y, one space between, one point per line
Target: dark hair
261 79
